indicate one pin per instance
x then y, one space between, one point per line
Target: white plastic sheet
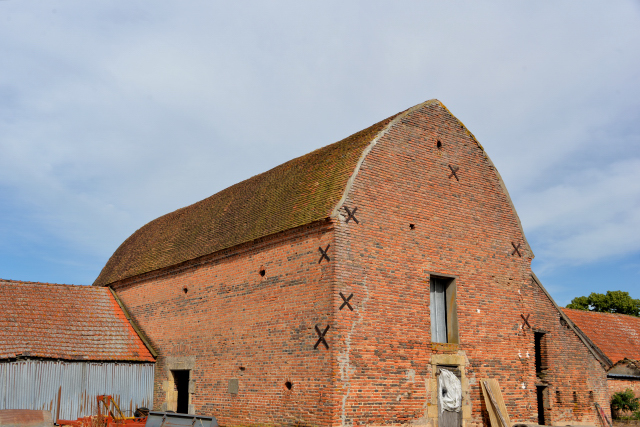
450 391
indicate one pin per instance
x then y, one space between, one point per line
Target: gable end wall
462 229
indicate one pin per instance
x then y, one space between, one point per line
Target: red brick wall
616 385
576 379
231 317
462 228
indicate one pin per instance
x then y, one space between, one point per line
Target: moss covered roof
296 193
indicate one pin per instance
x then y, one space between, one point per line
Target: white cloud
591 215
112 114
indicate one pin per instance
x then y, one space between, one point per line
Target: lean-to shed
62 345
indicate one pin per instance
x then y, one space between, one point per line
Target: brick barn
332 290
617 336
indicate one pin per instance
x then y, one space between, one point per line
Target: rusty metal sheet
171 419
25 418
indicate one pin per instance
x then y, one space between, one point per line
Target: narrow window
181 381
444 320
541 355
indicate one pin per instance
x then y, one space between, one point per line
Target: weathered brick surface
463 228
381 366
616 385
232 318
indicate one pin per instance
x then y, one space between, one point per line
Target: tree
611 302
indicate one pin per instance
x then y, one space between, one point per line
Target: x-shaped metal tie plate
351 215
346 301
454 170
324 254
321 337
516 249
526 321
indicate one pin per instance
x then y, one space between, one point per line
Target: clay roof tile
65 322
617 335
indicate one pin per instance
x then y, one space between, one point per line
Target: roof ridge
23 282
601 312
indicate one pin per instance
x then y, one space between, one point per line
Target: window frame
451 307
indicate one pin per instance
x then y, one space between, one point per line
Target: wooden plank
495 388
495 403
496 406
493 417
605 419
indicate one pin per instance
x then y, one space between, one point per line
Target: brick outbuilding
333 289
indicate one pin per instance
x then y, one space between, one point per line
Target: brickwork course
236 289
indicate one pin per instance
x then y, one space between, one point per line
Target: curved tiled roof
296 193
66 322
617 335
306 189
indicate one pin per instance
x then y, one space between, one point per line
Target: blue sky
113 113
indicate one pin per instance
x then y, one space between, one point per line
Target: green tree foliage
624 401
611 302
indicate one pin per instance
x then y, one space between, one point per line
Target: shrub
624 401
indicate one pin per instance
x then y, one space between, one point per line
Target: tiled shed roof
65 322
298 192
617 335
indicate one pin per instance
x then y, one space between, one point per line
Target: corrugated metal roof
617 335
65 322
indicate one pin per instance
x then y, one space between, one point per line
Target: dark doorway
181 380
541 396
